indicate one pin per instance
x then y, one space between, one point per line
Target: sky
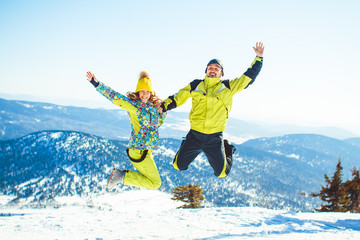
309 76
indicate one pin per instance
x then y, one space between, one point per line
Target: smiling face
144 95
214 70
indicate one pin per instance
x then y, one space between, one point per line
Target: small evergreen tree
192 195
333 192
351 196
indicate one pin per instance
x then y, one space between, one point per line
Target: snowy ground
146 214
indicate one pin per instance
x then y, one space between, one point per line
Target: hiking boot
116 177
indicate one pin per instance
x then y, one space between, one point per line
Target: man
211 105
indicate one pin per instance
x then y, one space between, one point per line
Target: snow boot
116 177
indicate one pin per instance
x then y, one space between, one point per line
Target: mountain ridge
19 118
48 164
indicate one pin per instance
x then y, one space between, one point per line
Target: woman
145 117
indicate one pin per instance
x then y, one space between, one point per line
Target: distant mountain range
267 172
19 118
48 150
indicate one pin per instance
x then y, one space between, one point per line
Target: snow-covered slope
150 214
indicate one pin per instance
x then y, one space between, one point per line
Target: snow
237 139
293 156
25 105
164 152
48 107
151 214
182 125
30 182
56 135
275 152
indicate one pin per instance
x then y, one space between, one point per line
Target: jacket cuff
93 82
259 58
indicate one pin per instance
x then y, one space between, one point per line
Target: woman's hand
158 104
90 76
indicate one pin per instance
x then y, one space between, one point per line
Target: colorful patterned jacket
145 118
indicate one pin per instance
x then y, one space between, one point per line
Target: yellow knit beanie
144 82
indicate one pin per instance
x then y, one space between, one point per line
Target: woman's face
144 95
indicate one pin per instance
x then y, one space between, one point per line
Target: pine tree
192 195
351 197
333 192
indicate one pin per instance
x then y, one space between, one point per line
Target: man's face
214 70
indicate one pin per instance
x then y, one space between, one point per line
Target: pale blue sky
310 74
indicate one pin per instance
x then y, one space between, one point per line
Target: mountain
267 172
312 149
353 141
19 118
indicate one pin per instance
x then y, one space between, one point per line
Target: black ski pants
212 145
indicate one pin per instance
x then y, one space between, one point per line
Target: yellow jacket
212 99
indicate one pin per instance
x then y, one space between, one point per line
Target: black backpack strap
143 156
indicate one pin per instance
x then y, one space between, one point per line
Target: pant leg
189 149
148 177
229 151
215 152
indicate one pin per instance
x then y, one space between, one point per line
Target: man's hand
89 76
259 49
158 105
